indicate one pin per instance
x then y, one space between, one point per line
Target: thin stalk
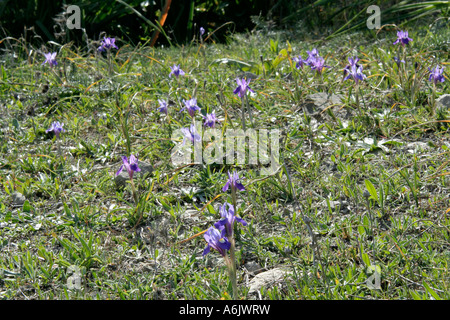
357 88
262 65
371 227
232 263
133 189
58 143
249 111
243 113
57 77
433 99
400 69
413 87
109 63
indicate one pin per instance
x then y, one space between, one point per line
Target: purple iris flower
162 106
314 53
131 166
356 73
351 62
437 75
317 63
242 87
354 70
216 239
233 181
398 61
299 62
57 128
210 120
191 134
191 106
176 71
402 38
50 58
228 218
202 31
107 44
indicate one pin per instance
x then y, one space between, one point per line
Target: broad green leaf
415 295
431 291
366 259
372 190
27 206
274 46
361 230
4 73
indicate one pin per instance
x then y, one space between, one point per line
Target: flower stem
232 269
58 143
433 99
232 264
249 111
243 114
133 189
357 99
109 63
57 77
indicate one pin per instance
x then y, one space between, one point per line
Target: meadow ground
358 207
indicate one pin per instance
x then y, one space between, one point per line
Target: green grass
371 197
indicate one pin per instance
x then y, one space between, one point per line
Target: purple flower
131 166
162 106
191 106
210 120
228 218
402 38
352 62
437 75
191 134
57 128
107 44
398 61
242 88
314 53
299 62
50 58
175 70
354 70
356 73
216 239
202 31
317 63
234 182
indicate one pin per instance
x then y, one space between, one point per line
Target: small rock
417 146
342 205
444 101
317 102
253 267
18 198
123 177
267 279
